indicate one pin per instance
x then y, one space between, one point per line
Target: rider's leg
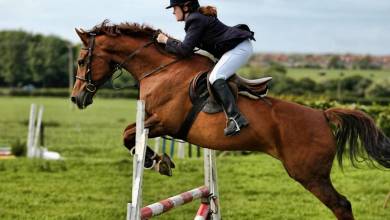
229 63
235 120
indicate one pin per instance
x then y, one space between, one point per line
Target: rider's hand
162 38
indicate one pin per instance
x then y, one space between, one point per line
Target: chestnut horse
300 137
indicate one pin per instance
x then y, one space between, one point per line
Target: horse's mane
124 28
129 29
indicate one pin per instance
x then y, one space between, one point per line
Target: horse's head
95 67
108 48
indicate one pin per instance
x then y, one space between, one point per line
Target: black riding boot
235 121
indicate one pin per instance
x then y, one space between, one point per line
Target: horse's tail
359 131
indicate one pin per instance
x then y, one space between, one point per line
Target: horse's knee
129 144
129 138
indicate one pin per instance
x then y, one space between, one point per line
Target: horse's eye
80 62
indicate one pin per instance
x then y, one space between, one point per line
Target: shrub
355 85
64 92
383 121
379 90
18 148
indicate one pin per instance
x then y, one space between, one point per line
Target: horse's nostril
73 99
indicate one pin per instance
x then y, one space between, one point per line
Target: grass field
94 180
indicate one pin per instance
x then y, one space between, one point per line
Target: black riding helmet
182 2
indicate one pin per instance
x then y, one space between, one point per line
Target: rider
231 45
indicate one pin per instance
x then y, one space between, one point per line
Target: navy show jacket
210 34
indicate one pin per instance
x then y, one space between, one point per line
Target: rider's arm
194 29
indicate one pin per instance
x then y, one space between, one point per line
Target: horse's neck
150 58
171 82
143 61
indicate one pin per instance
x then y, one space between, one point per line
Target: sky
289 26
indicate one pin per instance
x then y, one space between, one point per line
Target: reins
128 58
146 74
158 69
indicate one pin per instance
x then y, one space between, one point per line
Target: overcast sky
306 26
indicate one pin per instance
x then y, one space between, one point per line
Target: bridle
93 85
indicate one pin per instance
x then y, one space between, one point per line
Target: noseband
92 85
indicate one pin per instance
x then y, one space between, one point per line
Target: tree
335 62
13 57
367 63
276 68
33 59
54 63
36 62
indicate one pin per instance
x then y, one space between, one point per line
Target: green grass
314 74
94 180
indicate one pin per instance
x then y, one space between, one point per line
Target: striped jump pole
203 212
165 205
209 208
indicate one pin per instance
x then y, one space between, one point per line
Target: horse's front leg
161 163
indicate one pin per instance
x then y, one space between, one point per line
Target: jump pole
31 131
133 209
209 208
34 132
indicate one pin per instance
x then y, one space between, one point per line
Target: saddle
201 91
202 98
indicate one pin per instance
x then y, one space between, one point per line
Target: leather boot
235 121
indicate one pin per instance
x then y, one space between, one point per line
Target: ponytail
208 11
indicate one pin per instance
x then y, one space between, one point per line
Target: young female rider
231 45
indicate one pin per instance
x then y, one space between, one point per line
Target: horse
304 139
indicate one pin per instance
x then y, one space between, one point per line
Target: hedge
64 92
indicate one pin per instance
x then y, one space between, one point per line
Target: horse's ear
83 36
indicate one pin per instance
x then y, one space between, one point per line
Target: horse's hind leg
314 175
323 189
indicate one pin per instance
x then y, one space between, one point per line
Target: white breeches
231 61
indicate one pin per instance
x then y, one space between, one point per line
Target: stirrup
230 130
239 121
235 122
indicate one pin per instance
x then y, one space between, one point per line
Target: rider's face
178 12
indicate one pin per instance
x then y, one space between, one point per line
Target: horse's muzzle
83 99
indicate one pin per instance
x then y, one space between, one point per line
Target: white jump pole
36 149
210 179
31 131
133 209
180 150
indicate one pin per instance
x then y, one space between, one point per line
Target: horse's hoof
165 165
